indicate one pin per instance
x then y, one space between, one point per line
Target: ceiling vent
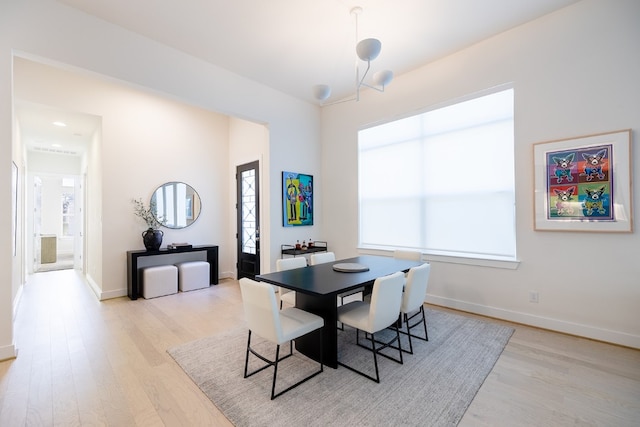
56 151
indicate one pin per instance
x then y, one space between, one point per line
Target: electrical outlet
533 296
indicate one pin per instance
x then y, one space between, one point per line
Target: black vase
152 239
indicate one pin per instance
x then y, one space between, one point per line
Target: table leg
325 307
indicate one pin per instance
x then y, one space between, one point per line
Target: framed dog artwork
584 183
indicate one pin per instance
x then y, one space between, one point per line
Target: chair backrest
386 298
322 257
290 263
261 309
416 288
404 254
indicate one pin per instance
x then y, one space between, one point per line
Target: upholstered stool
193 275
159 281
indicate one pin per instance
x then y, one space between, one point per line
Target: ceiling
39 133
292 45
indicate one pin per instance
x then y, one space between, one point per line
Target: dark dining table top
322 279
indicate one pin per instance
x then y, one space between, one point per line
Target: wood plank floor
84 362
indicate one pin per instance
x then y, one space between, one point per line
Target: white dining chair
283 264
407 254
278 326
324 257
412 304
372 317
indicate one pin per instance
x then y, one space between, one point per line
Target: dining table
317 288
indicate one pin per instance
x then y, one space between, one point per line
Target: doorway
57 222
248 220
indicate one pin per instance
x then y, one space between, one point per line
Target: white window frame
376 136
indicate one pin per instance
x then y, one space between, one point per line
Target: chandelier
367 50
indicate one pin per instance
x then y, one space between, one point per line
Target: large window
441 181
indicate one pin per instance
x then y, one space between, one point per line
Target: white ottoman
193 275
160 280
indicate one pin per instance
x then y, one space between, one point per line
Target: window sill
506 263
493 262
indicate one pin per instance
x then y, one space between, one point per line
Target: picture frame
584 183
297 199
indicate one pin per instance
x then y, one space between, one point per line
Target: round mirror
175 205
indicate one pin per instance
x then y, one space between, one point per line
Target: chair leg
375 357
375 351
423 320
275 372
407 319
274 363
268 362
273 396
389 344
246 360
399 346
424 323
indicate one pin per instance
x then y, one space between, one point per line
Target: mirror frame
192 205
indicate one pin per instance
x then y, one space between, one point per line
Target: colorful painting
297 199
584 183
580 183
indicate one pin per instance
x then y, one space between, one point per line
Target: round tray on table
350 267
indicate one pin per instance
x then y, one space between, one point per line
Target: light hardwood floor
85 362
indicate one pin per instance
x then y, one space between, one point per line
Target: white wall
575 72
53 33
249 142
146 140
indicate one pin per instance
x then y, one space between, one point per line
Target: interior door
248 222
78 244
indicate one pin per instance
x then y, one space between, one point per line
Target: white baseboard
16 301
104 295
93 286
557 325
113 294
8 352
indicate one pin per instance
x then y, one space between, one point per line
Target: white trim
104 295
16 301
496 262
557 325
8 352
509 264
113 294
226 275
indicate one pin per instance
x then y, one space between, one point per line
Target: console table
136 260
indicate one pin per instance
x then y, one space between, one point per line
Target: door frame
255 165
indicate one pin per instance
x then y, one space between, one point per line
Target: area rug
433 387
